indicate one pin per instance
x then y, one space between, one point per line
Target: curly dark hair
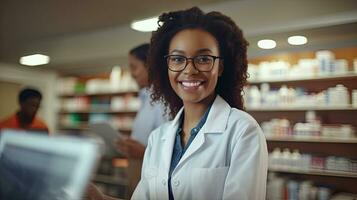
28 93
232 47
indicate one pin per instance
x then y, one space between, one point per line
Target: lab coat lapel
217 121
168 140
195 145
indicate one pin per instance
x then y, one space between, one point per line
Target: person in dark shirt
25 119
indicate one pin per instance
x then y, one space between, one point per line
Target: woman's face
138 71
191 85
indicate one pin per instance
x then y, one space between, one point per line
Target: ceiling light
266 44
34 60
297 40
146 25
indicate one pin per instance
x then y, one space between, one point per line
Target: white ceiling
91 36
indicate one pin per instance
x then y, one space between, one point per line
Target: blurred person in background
25 119
149 117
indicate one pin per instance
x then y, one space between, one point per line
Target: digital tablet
34 166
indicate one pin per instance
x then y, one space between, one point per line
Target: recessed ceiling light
297 40
146 25
34 60
266 44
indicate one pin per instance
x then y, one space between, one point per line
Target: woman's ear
221 68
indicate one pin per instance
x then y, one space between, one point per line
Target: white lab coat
226 160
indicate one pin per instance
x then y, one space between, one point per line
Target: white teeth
191 84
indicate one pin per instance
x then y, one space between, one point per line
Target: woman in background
149 117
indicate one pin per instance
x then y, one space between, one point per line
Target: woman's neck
193 112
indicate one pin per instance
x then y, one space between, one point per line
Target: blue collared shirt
179 150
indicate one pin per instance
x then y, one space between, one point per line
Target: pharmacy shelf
110 180
316 78
98 94
78 126
73 128
315 172
96 111
85 127
312 139
301 108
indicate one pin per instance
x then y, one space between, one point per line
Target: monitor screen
38 167
33 174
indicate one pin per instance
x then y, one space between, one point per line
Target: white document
108 134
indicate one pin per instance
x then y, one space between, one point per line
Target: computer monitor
39 167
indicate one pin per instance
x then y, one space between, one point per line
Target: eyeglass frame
193 63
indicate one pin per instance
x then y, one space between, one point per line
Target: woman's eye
203 59
177 59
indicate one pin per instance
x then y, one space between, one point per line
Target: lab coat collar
168 139
219 114
173 126
217 121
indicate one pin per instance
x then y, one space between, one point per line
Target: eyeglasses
203 63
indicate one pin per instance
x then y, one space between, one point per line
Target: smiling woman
211 149
196 81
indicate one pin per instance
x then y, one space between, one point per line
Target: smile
191 84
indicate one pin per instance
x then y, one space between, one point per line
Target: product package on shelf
294 160
285 188
100 104
125 103
310 129
71 120
285 97
66 85
282 187
324 64
123 123
305 103
74 104
120 81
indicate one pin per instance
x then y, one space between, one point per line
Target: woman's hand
131 148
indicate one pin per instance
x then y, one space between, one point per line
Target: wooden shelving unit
312 139
110 180
85 113
98 111
111 172
324 78
316 172
106 94
302 108
83 127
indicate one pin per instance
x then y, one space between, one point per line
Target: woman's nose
190 67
